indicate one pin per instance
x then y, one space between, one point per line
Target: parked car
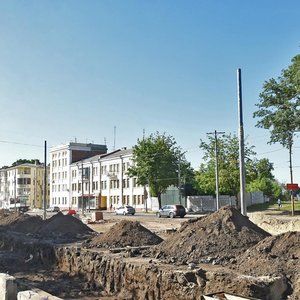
53 209
125 210
71 212
171 211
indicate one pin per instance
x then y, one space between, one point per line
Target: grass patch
286 206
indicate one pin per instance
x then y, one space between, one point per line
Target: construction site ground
184 258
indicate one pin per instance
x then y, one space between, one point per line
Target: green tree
157 161
228 158
259 175
270 188
25 161
279 107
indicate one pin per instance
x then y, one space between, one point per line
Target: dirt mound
125 233
21 223
217 238
61 225
57 227
276 255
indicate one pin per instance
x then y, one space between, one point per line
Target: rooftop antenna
105 141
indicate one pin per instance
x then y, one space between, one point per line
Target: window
114 184
95 185
74 202
73 186
95 171
103 170
103 185
114 168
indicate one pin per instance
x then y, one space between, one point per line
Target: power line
23 144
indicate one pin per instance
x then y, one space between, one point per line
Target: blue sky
77 69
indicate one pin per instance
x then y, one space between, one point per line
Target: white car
53 209
125 210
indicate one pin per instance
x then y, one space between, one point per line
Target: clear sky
77 69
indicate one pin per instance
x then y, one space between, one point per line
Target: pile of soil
276 255
125 233
59 226
216 238
21 223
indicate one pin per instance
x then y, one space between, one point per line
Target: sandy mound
216 238
125 233
21 223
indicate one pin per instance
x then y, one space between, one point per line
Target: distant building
97 182
23 185
61 158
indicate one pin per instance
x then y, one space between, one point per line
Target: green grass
286 206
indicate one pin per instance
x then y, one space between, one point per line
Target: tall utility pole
82 189
15 188
45 180
179 182
215 133
242 146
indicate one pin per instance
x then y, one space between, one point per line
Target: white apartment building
102 182
97 182
23 185
61 158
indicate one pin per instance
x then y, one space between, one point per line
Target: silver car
125 210
174 210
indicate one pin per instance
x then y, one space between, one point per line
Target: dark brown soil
125 233
225 238
274 256
64 225
217 238
21 223
59 226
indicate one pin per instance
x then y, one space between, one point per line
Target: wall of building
23 185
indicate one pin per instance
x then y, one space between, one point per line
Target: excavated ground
223 251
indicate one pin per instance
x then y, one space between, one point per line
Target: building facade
100 182
61 159
23 185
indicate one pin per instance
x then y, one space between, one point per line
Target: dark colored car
172 211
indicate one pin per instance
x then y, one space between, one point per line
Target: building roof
26 165
114 154
75 145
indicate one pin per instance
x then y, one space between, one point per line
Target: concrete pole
45 179
215 133
15 189
217 171
241 146
82 188
291 174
